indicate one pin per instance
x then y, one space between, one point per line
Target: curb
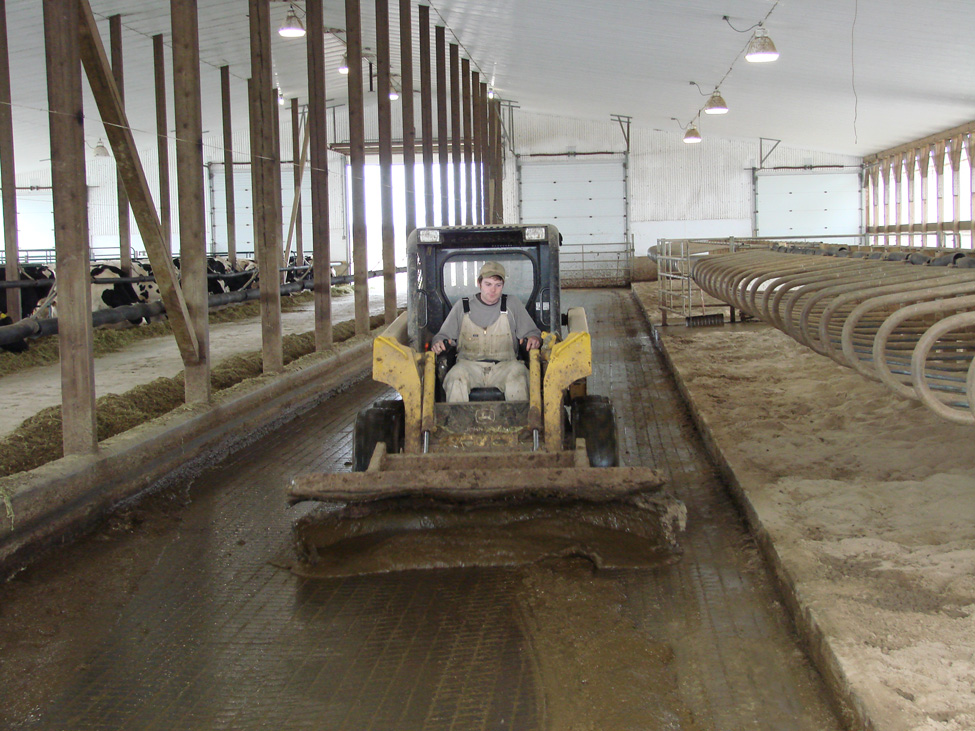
852 709
55 503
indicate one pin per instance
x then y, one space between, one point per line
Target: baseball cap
491 269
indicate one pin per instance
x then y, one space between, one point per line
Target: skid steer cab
561 442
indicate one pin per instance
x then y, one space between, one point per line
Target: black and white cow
106 295
31 297
295 274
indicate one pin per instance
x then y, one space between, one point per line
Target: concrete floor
175 615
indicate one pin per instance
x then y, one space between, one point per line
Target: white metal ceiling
854 76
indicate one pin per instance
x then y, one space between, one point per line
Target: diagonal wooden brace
105 91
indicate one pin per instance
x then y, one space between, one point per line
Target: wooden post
385 160
970 148
910 166
897 164
954 156
190 197
478 136
498 164
885 176
228 165
318 134
276 184
456 134
298 162
485 153
124 230
465 74
443 144
8 177
357 167
426 113
409 119
162 140
66 118
924 167
127 160
301 159
267 196
939 171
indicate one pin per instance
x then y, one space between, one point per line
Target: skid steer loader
560 446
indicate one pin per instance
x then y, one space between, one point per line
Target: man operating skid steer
487 343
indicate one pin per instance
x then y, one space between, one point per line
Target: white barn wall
675 189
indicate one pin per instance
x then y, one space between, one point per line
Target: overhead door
586 201
814 205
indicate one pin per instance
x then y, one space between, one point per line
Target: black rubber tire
594 420
372 425
396 413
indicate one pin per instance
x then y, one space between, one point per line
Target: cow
224 281
297 275
33 298
106 295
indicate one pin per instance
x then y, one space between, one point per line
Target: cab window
460 275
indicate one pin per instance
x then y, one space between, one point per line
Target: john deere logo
485 415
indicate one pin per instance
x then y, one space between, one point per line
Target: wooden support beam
189 179
443 151
8 177
456 99
465 75
67 128
162 141
228 164
276 185
102 85
124 230
482 161
954 157
426 113
299 143
970 149
357 166
477 139
409 118
318 135
497 165
298 162
385 160
265 162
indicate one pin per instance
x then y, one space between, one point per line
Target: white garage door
810 204
586 201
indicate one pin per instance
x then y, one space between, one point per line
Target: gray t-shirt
482 315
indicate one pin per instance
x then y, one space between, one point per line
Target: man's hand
439 346
533 343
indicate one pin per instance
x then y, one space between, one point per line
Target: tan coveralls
486 357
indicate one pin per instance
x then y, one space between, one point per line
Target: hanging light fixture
692 136
760 48
344 67
292 26
716 104
100 150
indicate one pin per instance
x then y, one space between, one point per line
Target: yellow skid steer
558 447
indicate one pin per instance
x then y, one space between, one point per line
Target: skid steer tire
396 434
594 420
373 425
